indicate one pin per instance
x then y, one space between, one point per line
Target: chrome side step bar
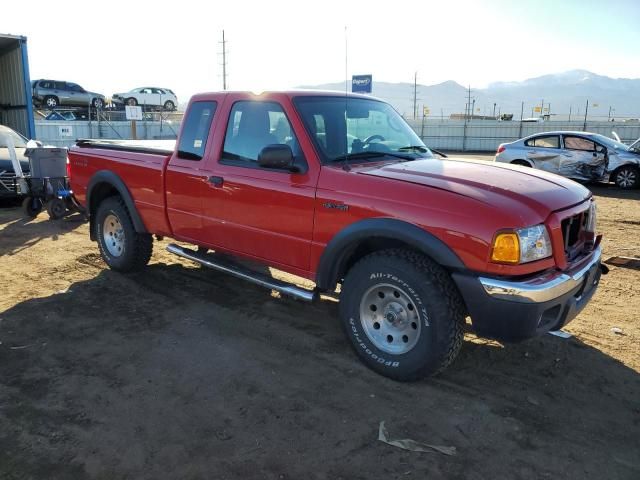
209 260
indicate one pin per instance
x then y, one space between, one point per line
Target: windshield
610 143
358 128
18 140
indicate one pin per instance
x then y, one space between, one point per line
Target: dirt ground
181 372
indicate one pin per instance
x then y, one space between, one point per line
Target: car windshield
345 128
18 140
610 143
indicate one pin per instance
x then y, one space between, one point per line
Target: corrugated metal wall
486 135
15 99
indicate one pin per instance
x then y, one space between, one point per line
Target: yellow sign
595 105
425 111
537 109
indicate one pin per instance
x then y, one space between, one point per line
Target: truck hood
496 184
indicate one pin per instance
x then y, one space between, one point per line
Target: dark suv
56 93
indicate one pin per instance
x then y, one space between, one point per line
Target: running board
209 260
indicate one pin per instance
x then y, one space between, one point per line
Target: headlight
521 246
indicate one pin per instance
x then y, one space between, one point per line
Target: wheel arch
367 236
521 161
104 184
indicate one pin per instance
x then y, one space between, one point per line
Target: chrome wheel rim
113 235
51 102
626 178
390 319
132 102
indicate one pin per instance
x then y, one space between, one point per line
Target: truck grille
573 229
7 183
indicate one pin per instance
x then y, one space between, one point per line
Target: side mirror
601 149
278 156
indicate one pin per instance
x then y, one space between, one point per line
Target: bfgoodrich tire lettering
129 250
429 305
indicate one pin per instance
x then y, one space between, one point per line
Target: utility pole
415 95
473 109
521 114
570 107
224 62
586 110
494 109
609 116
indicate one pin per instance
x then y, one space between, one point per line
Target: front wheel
121 247
32 206
403 314
56 208
169 106
627 177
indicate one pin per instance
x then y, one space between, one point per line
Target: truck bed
160 147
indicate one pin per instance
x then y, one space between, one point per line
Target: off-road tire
440 308
627 177
137 247
31 207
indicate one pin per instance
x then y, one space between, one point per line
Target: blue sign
361 83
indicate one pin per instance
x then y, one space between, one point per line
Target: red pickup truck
338 189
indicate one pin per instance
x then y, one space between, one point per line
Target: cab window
197 124
548 141
251 127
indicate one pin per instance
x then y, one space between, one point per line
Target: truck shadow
19 233
195 360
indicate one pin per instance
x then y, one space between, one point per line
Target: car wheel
403 314
51 101
121 247
131 101
168 105
31 206
56 209
627 177
524 163
97 103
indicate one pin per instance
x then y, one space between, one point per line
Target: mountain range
563 93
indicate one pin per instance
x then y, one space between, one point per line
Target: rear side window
579 143
60 85
548 141
195 132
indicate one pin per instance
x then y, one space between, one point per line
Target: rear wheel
97 103
131 101
168 105
121 247
627 177
402 314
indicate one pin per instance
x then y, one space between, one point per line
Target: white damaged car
578 155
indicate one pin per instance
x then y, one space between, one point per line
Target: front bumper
515 310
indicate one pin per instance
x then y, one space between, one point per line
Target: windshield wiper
413 148
372 154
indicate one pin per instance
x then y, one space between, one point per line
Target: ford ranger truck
338 189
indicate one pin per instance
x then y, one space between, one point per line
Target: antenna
224 62
345 165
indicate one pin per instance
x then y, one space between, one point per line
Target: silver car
7 175
57 93
579 155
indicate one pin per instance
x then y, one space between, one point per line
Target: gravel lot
181 372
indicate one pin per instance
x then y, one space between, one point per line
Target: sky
113 46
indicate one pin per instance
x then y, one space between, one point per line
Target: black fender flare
344 243
110 178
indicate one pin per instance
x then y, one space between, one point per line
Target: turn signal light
506 248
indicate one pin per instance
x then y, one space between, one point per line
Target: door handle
216 181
